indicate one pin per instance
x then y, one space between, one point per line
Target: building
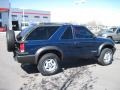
15 18
25 17
4 14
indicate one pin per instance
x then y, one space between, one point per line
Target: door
85 42
117 35
66 43
15 25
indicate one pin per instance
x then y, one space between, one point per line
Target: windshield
110 31
24 32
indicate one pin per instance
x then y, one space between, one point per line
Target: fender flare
103 45
47 48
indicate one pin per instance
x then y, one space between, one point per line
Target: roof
57 24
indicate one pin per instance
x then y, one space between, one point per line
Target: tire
106 57
10 36
48 64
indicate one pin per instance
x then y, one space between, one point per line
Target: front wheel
48 64
106 57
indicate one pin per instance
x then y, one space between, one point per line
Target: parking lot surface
80 75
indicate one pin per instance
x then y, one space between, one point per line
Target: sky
105 12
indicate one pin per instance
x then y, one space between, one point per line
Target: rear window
24 32
42 33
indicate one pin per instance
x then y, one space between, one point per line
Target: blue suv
46 45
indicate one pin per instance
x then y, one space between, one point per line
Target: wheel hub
107 57
50 65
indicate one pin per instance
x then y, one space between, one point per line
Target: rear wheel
10 36
48 64
106 57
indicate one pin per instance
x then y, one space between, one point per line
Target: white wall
31 14
5 14
5 18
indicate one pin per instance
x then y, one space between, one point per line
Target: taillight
22 47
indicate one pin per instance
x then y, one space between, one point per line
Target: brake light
22 47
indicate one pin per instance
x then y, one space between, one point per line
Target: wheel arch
48 49
109 36
105 45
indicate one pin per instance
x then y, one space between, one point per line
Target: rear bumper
29 59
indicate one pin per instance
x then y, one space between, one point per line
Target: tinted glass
0 24
25 31
26 16
67 34
42 33
118 30
0 15
36 16
113 29
45 17
0 20
14 16
82 32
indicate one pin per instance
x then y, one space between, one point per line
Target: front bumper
114 49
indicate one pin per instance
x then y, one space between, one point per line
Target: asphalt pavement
82 76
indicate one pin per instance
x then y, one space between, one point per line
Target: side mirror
94 36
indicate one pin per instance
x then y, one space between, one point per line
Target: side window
0 15
0 24
42 33
118 30
0 19
82 32
67 34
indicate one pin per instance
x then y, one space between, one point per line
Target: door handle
77 45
